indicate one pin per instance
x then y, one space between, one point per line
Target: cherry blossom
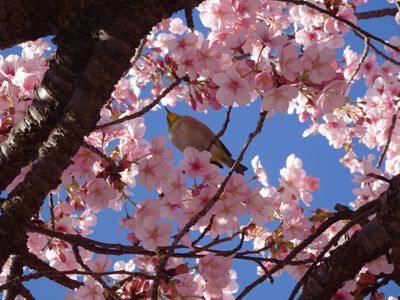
91 290
232 88
153 234
318 62
279 98
195 163
150 173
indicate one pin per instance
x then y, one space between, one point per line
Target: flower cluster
282 58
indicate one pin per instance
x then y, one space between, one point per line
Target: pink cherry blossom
214 13
125 266
215 268
184 45
100 195
278 99
195 163
174 186
232 88
187 287
289 64
151 171
91 290
380 265
227 212
259 170
312 183
153 234
176 26
332 96
158 148
318 62
101 263
335 130
260 208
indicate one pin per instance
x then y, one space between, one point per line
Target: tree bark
371 242
121 27
22 143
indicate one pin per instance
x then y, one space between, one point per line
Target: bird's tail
240 169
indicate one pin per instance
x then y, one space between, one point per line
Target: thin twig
360 62
52 217
202 235
376 286
266 272
204 211
364 33
379 52
391 128
379 177
41 274
376 13
138 52
107 289
189 18
92 245
145 109
223 129
35 263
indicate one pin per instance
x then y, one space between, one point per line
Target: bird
186 131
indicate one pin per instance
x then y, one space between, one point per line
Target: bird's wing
197 132
193 133
225 149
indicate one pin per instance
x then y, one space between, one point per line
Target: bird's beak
168 111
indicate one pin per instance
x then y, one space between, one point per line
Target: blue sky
281 136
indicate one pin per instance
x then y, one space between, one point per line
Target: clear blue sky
281 136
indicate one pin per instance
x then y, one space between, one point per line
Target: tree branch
372 241
223 129
340 215
107 289
123 26
16 270
27 20
390 132
145 109
333 241
376 13
49 273
33 262
331 14
22 144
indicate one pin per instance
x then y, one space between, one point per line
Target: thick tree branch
33 262
372 241
395 259
123 26
27 20
22 144
342 214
